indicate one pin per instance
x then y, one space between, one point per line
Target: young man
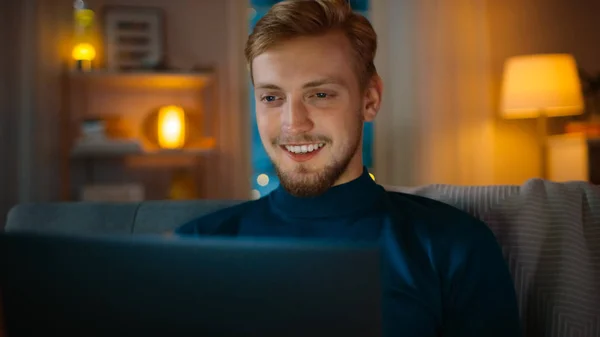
312 67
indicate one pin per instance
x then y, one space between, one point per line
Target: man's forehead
303 63
308 56
333 40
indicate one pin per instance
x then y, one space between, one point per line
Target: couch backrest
161 216
109 218
549 232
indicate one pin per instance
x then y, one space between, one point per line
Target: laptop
152 285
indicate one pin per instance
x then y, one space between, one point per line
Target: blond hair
295 18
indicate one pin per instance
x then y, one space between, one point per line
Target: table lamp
541 86
171 127
84 54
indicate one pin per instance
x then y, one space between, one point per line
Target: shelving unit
127 102
142 79
123 149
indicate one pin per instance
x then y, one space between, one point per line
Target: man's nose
296 118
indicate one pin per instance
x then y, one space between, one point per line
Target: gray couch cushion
475 200
551 235
164 216
76 217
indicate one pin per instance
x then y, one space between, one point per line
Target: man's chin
301 169
304 184
305 181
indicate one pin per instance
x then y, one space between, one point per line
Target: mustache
303 138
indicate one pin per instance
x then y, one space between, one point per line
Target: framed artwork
134 37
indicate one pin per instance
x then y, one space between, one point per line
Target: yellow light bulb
171 127
84 52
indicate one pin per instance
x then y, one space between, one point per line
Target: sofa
549 232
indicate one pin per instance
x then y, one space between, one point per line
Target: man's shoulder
435 216
421 204
222 220
460 256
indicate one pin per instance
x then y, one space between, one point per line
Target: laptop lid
142 285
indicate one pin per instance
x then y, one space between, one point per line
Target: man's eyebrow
311 84
266 86
327 80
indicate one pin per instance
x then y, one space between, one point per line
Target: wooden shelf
115 149
127 101
144 80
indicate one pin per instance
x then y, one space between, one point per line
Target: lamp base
83 65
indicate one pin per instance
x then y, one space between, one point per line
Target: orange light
84 52
171 127
541 84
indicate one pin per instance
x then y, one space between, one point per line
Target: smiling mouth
304 148
302 152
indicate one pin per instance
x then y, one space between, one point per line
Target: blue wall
261 164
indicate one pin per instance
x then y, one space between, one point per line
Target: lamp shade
84 52
541 84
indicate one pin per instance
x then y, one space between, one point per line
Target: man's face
310 111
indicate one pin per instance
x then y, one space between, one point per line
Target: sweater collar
352 197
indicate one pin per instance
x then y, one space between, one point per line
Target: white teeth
304 148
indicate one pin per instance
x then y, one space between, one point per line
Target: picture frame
134 37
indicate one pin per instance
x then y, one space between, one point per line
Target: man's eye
321 95
269 98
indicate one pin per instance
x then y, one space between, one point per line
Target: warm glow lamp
84 54
541 86
171 127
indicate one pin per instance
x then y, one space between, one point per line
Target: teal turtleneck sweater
446 275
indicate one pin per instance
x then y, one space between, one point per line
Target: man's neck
352 172
349 197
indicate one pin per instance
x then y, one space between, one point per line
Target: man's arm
483 300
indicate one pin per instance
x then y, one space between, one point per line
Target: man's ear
372 98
